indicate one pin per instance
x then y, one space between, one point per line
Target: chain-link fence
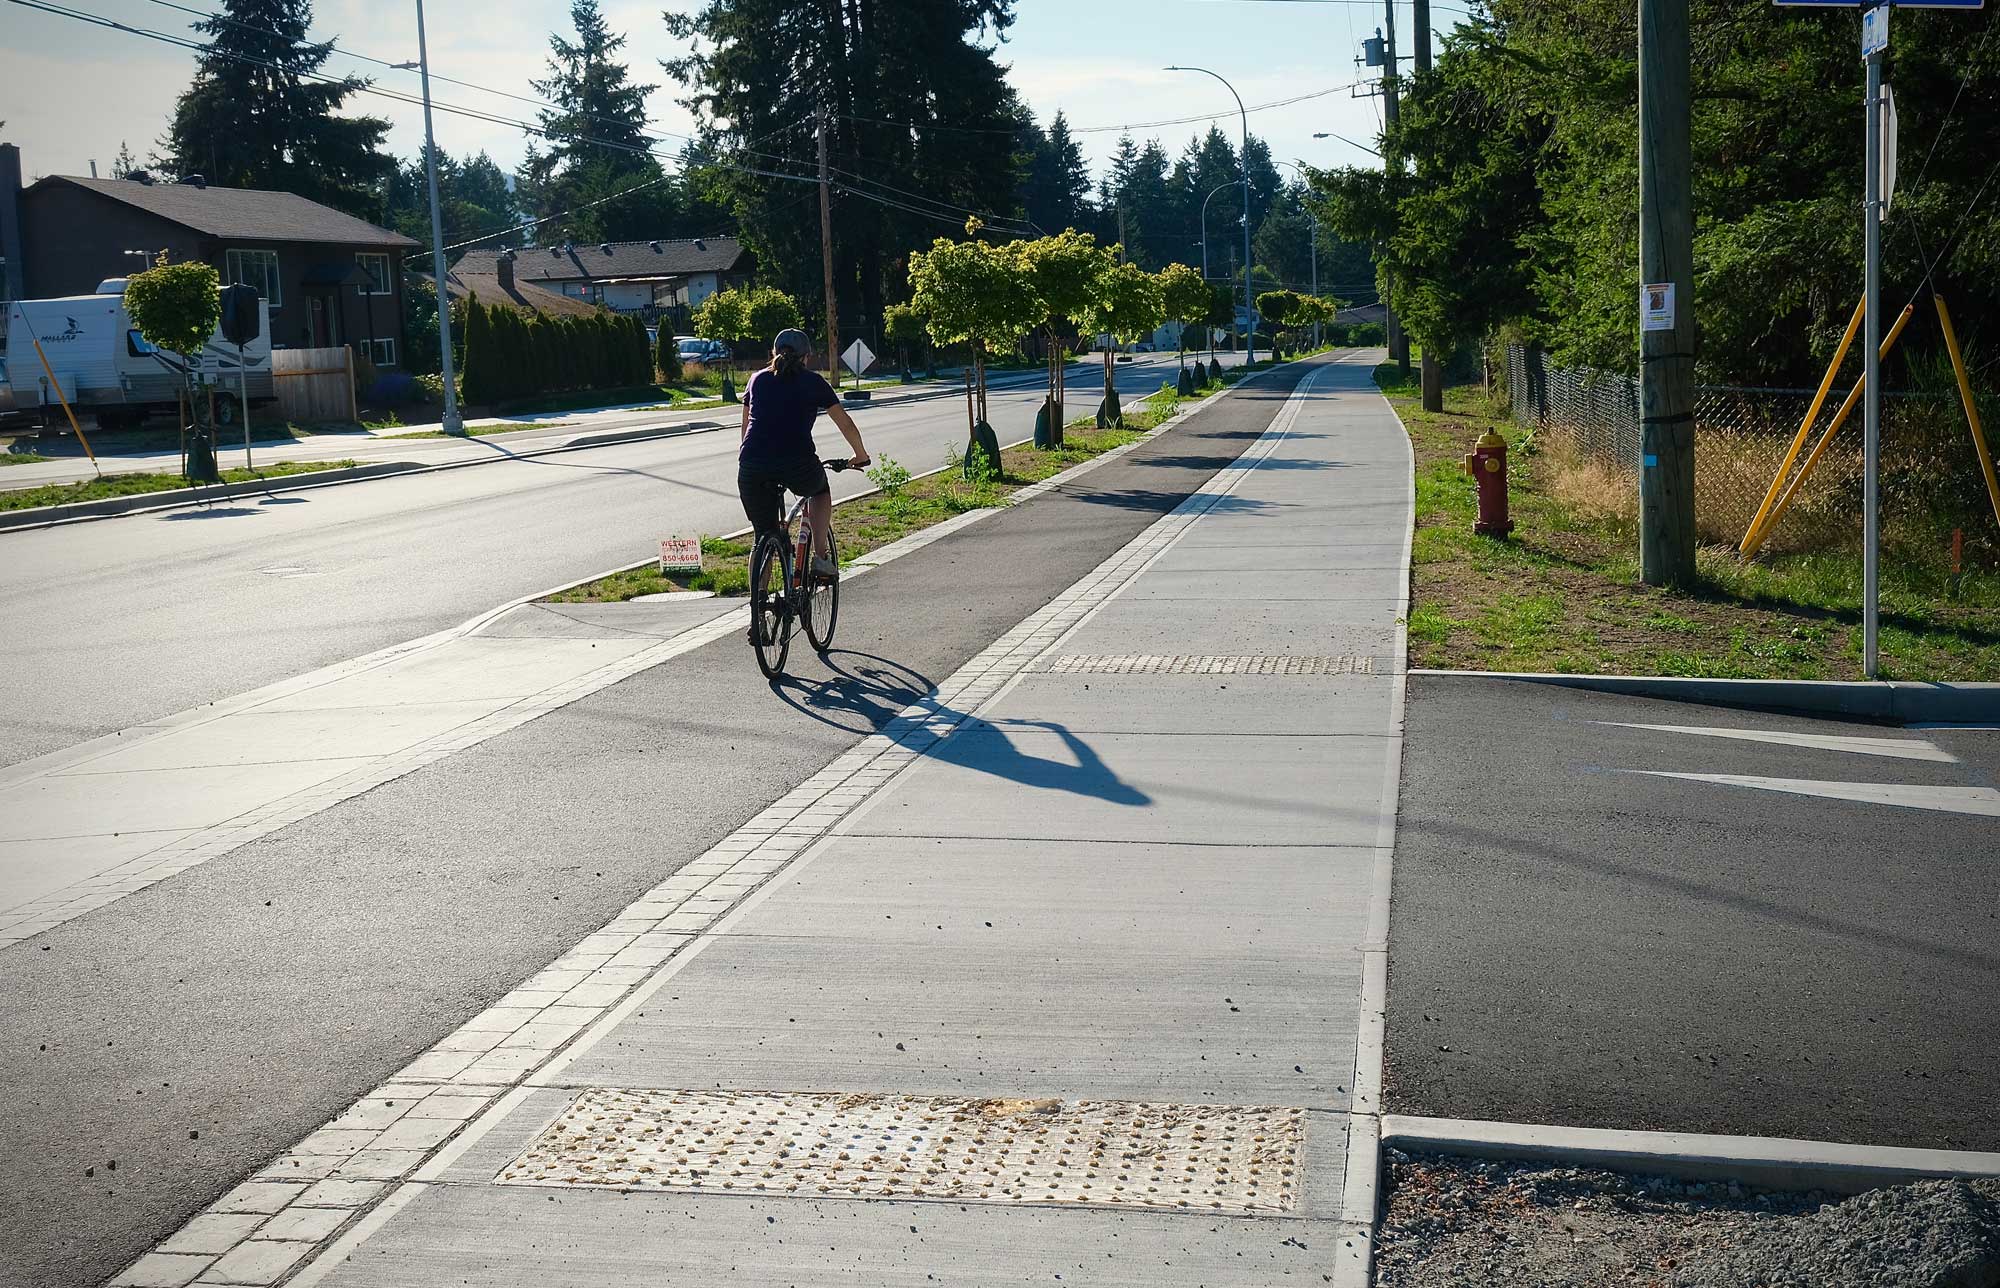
1931 479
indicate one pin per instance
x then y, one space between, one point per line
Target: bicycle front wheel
770 605
823 602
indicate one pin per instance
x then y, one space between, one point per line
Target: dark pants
762 486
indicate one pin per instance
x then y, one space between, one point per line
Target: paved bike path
256 996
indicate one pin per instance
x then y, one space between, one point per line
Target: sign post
1878 179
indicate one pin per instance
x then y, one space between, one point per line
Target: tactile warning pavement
1204 664
829 1144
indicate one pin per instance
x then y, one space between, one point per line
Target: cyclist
779 406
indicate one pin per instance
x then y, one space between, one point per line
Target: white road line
1901 748
1978 801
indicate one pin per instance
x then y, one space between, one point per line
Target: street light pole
1249 307
453 422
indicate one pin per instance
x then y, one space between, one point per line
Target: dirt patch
1461 1223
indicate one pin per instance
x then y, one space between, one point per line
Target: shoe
825 569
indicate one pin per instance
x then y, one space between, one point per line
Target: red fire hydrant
1487 464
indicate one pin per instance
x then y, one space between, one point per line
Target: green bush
667 356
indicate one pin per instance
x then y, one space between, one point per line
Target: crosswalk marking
1980 801
1901 748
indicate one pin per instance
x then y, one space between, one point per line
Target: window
380 352
258 268
136 345
375 268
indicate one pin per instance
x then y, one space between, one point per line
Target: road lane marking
1901 748
1981 802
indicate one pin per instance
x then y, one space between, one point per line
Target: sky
70 93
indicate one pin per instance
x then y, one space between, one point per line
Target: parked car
695 349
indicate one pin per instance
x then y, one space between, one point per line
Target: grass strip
20 458
137 484
1564 593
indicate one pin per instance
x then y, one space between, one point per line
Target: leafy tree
1184 298
1062 272
919 119
176 307
1125 304
904 327
258 114
768 311
973 293
725 316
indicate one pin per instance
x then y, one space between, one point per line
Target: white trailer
107 370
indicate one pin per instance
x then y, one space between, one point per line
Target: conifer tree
257 116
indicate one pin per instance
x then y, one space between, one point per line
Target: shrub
394 388
889 476
1366 334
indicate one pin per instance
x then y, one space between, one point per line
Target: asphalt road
1573 942
251 998
108 624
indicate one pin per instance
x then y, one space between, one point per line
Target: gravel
1460 1222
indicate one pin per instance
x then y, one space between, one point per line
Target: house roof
249 214
525 296
631 261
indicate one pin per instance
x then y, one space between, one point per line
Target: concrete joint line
369 1159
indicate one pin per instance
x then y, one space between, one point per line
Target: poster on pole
680 554
1656 306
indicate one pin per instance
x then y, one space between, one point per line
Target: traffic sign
1874 30
1867 4
857 356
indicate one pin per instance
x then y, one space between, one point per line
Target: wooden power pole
1666 298
1399 344
826 258
1430 370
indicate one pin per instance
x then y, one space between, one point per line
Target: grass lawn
20 458
1563 594
135 484
471 431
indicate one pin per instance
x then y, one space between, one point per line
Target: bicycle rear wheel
770 604
823 602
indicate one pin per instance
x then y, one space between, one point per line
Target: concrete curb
606 438
49 515
1897 701
1772 1162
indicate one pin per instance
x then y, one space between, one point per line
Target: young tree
724 316
1184 298
1221 316
1125 304
176 307
973 293
767 311
667 356
258 114
904 327
1062 272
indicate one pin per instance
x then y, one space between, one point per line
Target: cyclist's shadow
866 692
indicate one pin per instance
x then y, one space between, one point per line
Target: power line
458 110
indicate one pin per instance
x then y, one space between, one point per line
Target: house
494 282
330 279
631 277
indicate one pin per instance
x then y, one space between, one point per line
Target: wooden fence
314 384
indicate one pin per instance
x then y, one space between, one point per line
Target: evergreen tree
595 136
1055 187
124 163
914 101
478 376
256 117
667 357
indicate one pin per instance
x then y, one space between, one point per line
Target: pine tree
667 356
595 135
256 117
477 379
124 163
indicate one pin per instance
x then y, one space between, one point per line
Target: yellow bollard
1805 426
57 386
1971 410
1758 536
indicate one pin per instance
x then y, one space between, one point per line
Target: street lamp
1204 223
453 422
1249 308
1349 142
1313 243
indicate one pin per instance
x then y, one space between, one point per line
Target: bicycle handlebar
839 465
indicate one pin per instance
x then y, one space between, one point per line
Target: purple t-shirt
781 416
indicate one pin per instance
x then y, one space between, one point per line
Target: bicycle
784 591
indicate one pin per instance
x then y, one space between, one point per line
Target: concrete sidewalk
1072 970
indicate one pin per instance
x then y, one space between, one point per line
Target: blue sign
1865 4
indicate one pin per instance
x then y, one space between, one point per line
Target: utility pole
1875 39
1399 344
826 258
1666 303
453 423
1430 373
